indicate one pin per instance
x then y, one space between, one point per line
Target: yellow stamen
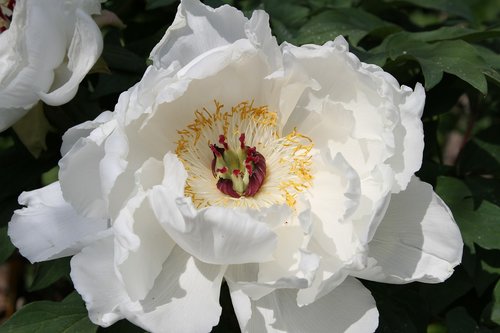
287 157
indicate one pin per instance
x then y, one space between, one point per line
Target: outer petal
348 308
82 161
94 277
410 137
139 235
184 298
417 240
198 29
84 50
49 227
72 135
291 267
34 54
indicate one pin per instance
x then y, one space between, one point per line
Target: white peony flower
285 171
46 49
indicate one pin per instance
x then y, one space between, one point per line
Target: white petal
34 52
82 163
142 246
408 156
291 267
39 47
330 273
49 227
196 29
8 116
72 135
333 197
418 240
184 299
348 308
94 277
289 258
215 234
84 50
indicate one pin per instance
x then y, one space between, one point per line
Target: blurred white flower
46 49
285 171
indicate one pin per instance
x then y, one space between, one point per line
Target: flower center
6 10
239 158
239 172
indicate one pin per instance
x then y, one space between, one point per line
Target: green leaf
456 7
352 22
152 4
116 83
46 273
478 226
459 321
479 157
122 326
455 57
401 308
490 56
291 14
322 4
485 276
118 57
495 311
492 149
436 328
439 296
6 246
32 130
281 31
70 315
455 32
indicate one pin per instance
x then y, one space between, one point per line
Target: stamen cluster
239 158
6 11
239 172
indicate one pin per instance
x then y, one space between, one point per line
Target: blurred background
452 47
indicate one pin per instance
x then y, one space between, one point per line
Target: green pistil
234 168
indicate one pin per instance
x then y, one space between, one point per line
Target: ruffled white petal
138 236
72 135
34 52
198 29
83 52
408 156
184 299
83 161
292 266
94 277
330 273
49 228
333 197
348 308
418 240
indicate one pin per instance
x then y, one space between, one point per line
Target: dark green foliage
450 46
69 315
